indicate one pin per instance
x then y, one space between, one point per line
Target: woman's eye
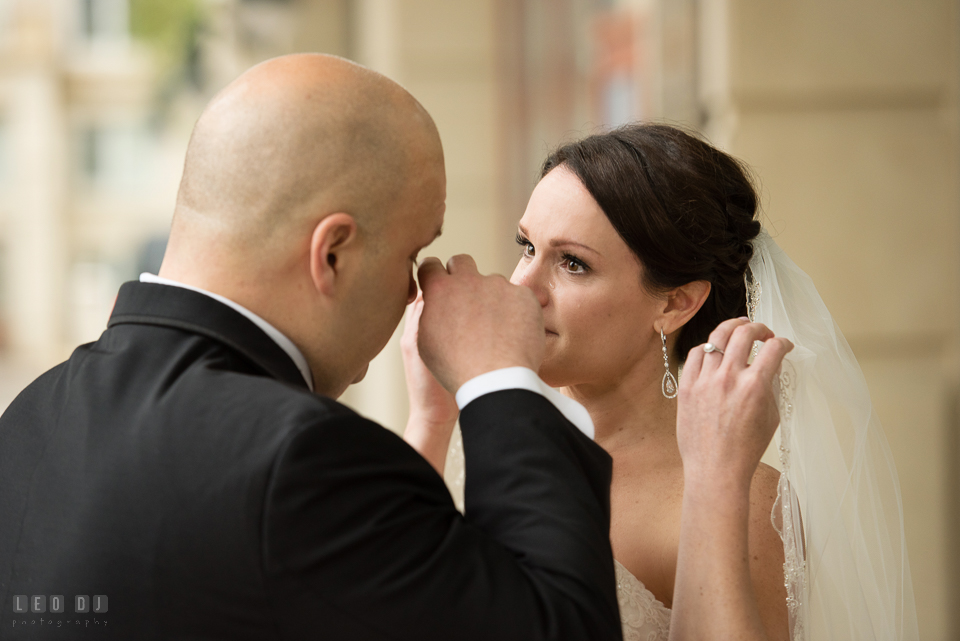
528 249
574 265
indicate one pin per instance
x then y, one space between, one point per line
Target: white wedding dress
642 617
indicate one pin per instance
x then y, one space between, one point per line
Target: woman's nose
527 275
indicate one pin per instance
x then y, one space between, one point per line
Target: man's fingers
462 264
430 271
771 355
741 342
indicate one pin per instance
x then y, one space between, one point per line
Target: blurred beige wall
848 113
444 53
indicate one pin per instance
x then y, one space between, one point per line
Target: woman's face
599 320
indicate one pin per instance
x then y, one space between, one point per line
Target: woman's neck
628 411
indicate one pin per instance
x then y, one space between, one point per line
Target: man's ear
681 305
332 238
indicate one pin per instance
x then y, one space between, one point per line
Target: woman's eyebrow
560 242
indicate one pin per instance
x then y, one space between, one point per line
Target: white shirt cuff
527 379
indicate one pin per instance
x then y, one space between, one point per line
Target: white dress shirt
495 381
285 343
525 378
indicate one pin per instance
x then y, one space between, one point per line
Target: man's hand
726 410
473 324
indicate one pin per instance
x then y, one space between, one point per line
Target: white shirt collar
285 343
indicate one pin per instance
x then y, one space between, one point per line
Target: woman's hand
433 410
727 410
726 415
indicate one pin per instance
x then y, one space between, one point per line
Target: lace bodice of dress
643 617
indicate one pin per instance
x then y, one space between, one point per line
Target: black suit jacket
180 466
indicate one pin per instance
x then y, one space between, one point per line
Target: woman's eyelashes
572 264
526 244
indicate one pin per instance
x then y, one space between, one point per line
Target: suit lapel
166 306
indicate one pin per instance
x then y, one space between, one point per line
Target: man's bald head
309 187
293 138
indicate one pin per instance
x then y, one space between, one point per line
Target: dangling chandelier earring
669 384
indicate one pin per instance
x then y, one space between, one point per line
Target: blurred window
150 255
574 67
619 74
6 14
92 288
5 180
3 299
116 158
104 20
4 154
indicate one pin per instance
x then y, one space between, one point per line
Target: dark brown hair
687 210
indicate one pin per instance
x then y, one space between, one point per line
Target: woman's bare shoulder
766 548
766 553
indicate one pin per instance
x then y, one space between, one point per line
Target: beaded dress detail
642 617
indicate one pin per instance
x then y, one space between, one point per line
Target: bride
638 243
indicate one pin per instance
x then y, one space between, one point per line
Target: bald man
190 475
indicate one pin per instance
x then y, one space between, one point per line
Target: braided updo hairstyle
687 210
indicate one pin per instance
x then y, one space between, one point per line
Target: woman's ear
681 305
332 238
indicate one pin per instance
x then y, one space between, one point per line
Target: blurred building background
847 110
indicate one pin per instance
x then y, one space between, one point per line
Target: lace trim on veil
785 506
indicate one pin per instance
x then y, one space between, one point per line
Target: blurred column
848 113
444 53
37 251
377 31
382 396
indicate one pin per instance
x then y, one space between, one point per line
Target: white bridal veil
839 510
